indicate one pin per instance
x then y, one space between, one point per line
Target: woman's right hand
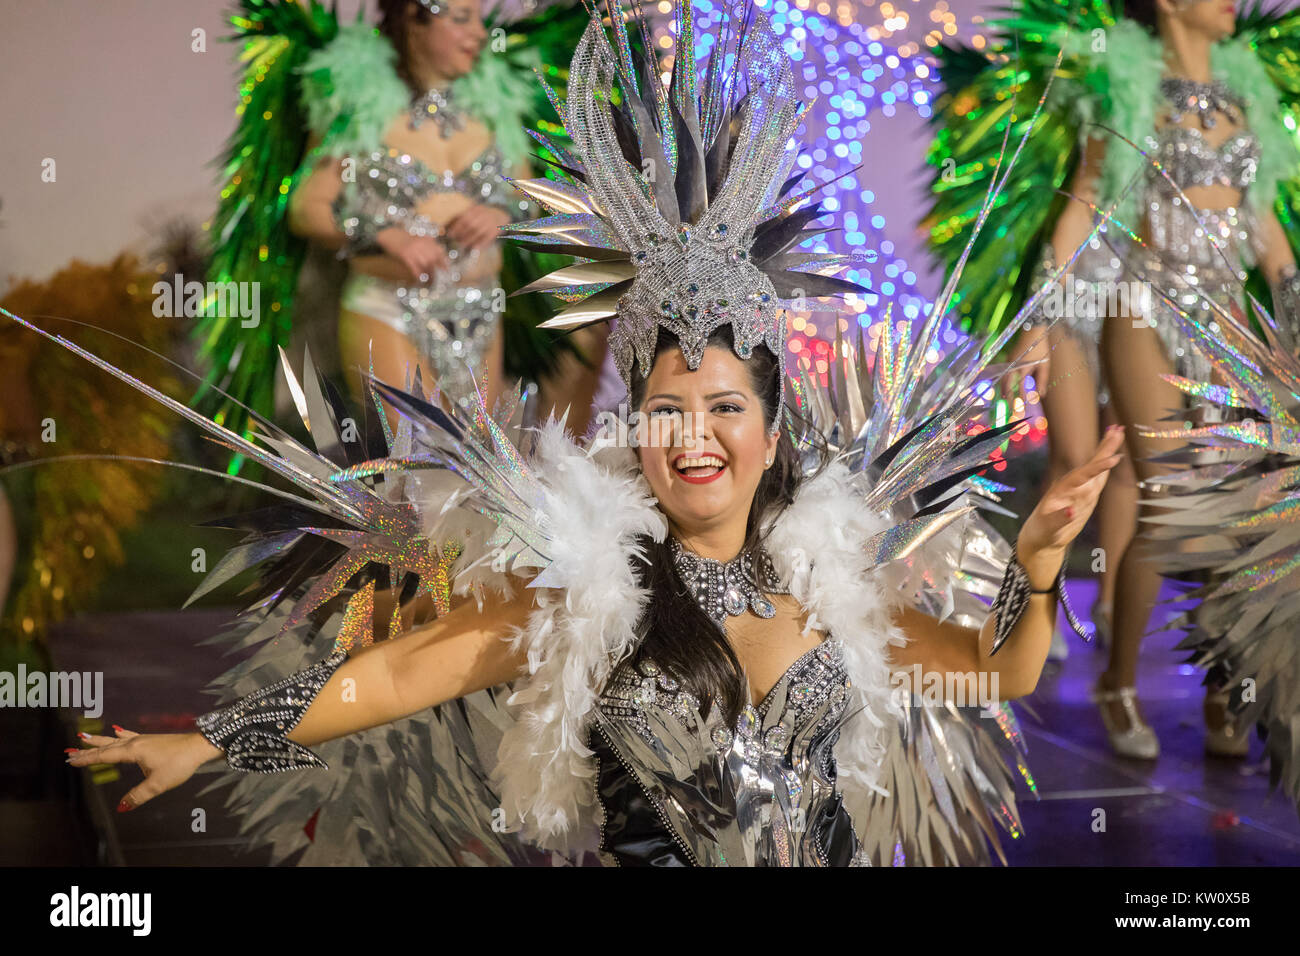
1030 351
423 256
168 760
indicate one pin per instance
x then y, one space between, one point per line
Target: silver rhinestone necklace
1205 99
436 104
729 588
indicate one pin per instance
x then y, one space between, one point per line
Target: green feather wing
251 239
983 95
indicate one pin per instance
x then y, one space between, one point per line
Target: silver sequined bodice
388 177
1181 261
452 320
737 795
1190 159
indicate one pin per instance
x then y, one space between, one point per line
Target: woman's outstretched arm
947 652
464 651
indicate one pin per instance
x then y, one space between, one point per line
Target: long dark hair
1142 11
675 633
395 17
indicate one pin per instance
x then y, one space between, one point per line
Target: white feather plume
817 546
590 603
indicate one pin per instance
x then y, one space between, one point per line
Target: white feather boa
817 546
590 605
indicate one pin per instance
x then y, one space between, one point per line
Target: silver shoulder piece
253 730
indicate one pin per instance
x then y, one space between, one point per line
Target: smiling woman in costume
702 667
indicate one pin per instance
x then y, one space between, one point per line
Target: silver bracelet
253 731
1013 599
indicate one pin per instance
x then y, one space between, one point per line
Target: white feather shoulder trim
818 546
590 603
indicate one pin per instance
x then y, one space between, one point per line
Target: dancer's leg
494 367
1069 399
1070 406
363 338
1117 517
1135 361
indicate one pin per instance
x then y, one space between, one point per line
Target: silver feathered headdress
679 203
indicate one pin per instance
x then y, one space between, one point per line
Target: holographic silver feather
672 197
1233 513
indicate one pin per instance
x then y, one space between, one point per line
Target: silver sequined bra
390 177
1182 261
1191 160
761 793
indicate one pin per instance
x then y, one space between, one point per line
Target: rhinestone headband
679 204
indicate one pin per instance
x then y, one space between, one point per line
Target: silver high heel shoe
1138 739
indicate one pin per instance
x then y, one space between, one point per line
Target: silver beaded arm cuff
1286 304
1013 599
253 731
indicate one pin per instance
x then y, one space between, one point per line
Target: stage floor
1093 809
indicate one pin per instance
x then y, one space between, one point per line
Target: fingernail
117 728
83 735
123 806
72 750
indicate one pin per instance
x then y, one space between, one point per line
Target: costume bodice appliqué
678 789
1197 255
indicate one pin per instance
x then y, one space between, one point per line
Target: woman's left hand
1063 511
477 226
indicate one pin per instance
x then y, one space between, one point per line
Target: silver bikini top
1190 160
389 177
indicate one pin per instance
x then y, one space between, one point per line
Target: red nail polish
72 750
123 806
83 735
117 728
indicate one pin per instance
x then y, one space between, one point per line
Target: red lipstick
699 479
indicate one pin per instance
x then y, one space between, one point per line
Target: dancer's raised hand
1064 509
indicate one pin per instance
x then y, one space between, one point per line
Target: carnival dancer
1163 123
686 652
